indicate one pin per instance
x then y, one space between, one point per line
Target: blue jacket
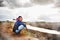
17 24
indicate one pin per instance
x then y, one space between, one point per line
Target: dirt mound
7 34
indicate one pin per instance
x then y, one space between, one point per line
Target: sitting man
19 25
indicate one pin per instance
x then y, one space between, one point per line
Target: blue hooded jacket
17 24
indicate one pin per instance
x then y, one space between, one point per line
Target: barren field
7 34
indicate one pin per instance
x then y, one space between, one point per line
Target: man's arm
26 29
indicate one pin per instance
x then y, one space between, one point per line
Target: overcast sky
30 10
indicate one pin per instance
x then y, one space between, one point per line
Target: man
19 25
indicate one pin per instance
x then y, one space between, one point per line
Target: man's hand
26 29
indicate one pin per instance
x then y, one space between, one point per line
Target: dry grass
7 33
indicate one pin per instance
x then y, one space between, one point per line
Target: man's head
20 18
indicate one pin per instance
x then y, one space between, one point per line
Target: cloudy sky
30 10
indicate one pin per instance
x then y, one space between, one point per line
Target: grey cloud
57 3
42 1
14 3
